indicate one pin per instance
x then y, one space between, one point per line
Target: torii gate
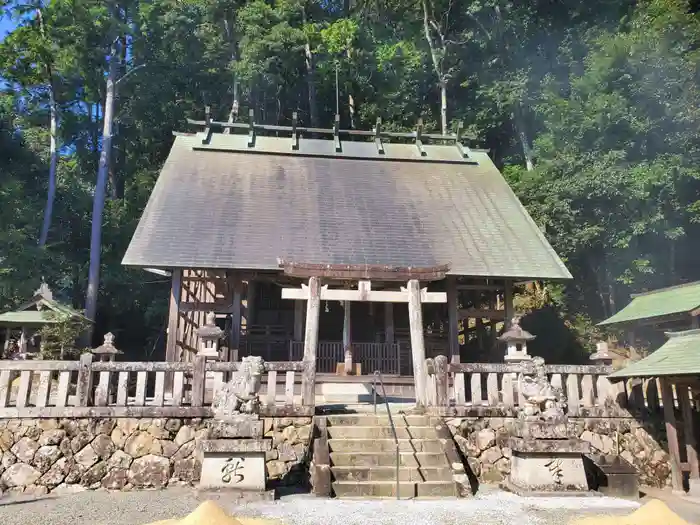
314 293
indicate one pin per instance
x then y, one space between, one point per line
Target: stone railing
456 388
85 388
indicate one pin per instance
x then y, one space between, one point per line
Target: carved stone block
532 473
241 426
234 470
549 446
538 429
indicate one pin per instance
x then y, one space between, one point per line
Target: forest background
590 107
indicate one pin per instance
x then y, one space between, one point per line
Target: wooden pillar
691 444
235 339
313 310
23 341
298 320
250 311
493 300
173 316
84 386
415 319
633 351
452 319
8 336
508 304
347 335
672 435
389 323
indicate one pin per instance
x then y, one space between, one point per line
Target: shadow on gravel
7 501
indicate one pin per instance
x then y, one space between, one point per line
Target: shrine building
409 245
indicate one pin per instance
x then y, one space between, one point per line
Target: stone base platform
234 455
547 459
349 393
524 492
235 496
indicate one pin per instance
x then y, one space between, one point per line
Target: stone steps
363 457
380 432
372 420
384 445
377 473
387 489
384 459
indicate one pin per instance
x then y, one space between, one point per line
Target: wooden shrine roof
658 304
679 356
39 310
225 204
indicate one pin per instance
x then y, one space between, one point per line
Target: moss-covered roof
680 355
317 205
658 303
39 310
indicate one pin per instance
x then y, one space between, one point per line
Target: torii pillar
413 295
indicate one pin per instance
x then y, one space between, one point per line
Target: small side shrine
651 314
674 369
19 328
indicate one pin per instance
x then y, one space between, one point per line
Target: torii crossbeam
364 292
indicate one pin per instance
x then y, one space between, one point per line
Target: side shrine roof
658 303
40 309
678 356
225 204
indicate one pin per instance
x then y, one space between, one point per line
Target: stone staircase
363 457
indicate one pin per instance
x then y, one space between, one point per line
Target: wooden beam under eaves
482 313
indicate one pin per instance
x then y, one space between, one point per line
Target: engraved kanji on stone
229 472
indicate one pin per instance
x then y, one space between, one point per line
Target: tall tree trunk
519 125
98 202
437 56
347 7
51 195
600 288
234 58
53 162
310 78
443 107
114 171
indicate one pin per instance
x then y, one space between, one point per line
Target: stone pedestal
234 455
516 356
612 476
346 393
547 460
694 488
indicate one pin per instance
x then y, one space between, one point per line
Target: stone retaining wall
50 455
483 443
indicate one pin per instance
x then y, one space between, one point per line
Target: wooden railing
138 389
387 358
470 385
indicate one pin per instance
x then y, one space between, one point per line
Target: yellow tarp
209 513
655 512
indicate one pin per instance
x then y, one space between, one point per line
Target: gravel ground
491 507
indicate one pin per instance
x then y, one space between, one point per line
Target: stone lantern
516 342
106 351
601 355
209 336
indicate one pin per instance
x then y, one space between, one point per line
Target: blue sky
5 26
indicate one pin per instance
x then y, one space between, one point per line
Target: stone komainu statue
240 394
541 398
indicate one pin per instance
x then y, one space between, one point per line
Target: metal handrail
378 376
